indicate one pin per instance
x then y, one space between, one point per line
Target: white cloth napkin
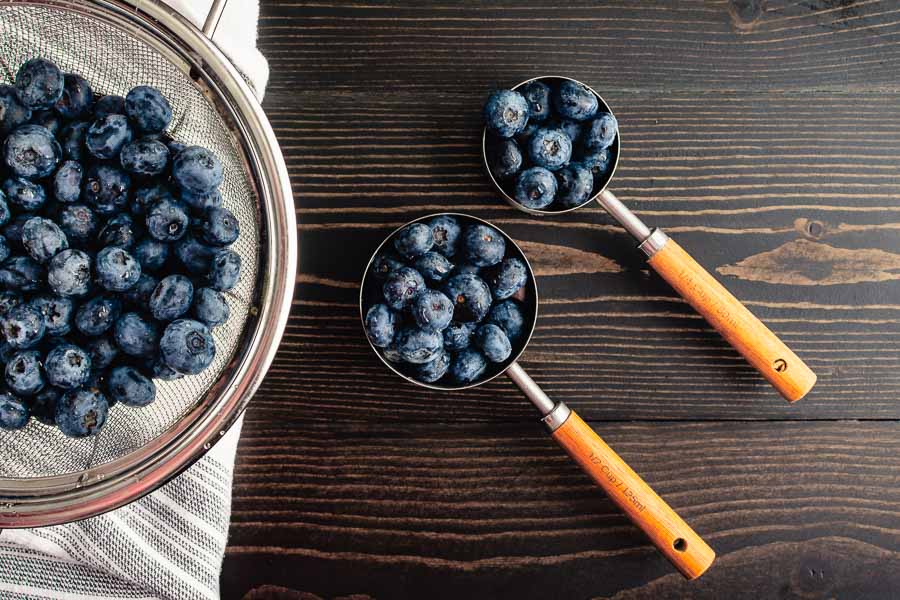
169 544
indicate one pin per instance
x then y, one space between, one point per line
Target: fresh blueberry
175 147
22 274
508 317
5 213
8 300
384 265
210 307
458 335
471 297
172 297
391 354
31 152
148 109
445 231
43 405
597 161
163 371
39 83
574 101
506 113
197 170
419 346
14 412
538 96
12 112
69 273
550 148
433 266
57 312
24 194
196 257
78 222
467 366
148 195
167 220
140 294
400 288
575 184
43 239
106 188
67 366
535 188
97 315
524 136
5 250
116 269
493 342
381 325
72 140
144 157
602 132
151 253
483 245
136 335
413 240
572 129
218 227
433 370
225 270
106 137
23 373
120 231
47 119
505 159
507 278
82 412
76 98
128 386
200 202
67 182
109 105
187 346
432 310
102 351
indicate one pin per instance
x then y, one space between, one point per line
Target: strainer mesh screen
114 62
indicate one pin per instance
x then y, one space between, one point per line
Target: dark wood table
765 136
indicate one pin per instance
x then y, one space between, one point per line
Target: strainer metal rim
64 498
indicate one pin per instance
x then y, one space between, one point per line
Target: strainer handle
213 17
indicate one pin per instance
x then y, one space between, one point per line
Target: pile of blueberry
444 304
550 144
113 255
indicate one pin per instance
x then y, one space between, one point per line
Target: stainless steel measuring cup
740 328
668 532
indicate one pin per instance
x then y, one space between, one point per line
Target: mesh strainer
47 478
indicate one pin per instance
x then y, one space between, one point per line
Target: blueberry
524 136
76 98
144 157
43 239
196 257
148 109
391 354
210 307
72 140
470 295
506 113
106 188
225 270
14 412
597 161
467 366
550 148
128 386
109 105
508 317
4 249
8 300
148 195
47 119
106 137
572 129
187 346
458 335
43 405
433 370
67 366
433 266
78 222
535 188
140 294
483 245
493 342
218 227
167 220
21 273
23 373
602 132
69 273
31 152
24 194
419 346
163 371
82 412
432 310
151 254
197 170
5 214
57 312
507 278
538 96
384 265
575 184
381 324
136 335
175 147
39 83
120 231
445 231
116 269
102 351
200 202
574 101
171 298
505 159
12 112
97 315
400 288
67 182
413 240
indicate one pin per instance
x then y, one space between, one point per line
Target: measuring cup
668 532
740 328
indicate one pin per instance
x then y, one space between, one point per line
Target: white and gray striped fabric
169 544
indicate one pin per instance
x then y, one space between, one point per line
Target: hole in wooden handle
780 365
680 545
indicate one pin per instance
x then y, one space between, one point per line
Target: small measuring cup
669 533
740 328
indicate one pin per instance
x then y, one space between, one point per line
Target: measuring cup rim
534 211
532 281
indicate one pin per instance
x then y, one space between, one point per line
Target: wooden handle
756 342
668 532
